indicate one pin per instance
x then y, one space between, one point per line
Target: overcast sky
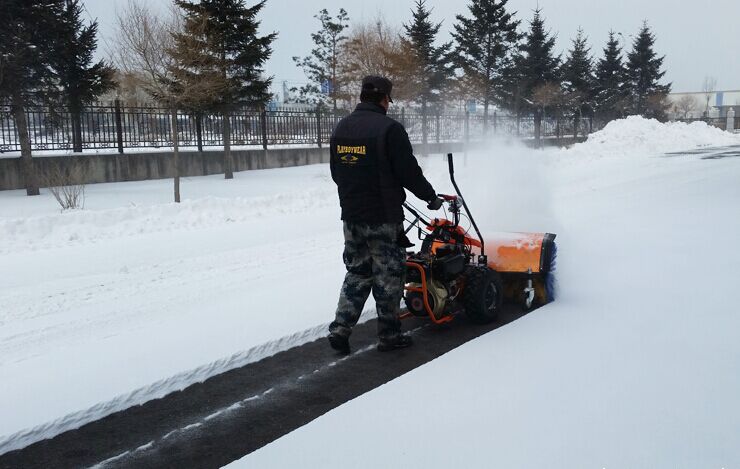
698 37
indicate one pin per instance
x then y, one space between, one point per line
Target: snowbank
86 226
636 136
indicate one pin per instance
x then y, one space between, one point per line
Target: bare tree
375 48
142 53
686 105
709 87
548 95
65 178
147 54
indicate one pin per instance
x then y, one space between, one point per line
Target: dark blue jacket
372 162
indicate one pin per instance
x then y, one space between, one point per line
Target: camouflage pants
376 262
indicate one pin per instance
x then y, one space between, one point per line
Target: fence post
495 122
318 124
199 130
424 130
438 136
119 125
403 116
467 127
730 127
263 122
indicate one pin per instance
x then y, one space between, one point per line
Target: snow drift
636 136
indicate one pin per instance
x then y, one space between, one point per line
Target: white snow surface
134 297
635 365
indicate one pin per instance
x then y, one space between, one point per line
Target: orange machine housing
516 252
507 252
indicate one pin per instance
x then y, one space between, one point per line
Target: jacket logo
351 154
350 159
360 149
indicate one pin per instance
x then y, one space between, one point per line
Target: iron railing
719 122
117 127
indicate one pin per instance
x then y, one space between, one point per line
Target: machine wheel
483 294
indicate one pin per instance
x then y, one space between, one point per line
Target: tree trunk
228 161
175 151
199 130
76 130
576 122
29 170
537 127
485 117
424 128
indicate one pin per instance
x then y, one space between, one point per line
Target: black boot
395 342
339 343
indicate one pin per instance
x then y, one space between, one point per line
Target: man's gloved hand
435 204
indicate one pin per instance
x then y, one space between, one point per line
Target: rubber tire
483 294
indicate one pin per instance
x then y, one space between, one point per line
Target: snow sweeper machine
457 271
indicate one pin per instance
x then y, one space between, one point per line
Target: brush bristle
550 280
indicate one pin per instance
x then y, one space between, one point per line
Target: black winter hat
378 85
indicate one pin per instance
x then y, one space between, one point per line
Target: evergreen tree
578 81
484 45
322 66
27 36
537 67
434 67
610 75
431 68
81 81
647 97
230 46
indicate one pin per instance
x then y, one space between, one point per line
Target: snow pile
84 226
635 136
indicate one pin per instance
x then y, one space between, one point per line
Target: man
371 163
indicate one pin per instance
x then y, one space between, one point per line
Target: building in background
697 105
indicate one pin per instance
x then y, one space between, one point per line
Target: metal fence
117 127
719 122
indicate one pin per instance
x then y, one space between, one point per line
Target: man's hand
435 204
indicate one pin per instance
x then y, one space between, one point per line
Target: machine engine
442 271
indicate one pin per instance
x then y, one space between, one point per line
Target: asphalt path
210 424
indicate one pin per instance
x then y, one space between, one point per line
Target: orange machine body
515 252
507 252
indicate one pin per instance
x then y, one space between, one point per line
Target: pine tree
431 66
27 36
538 67
484 45
647 97
610 75
578 81
434 64
322 65
232 47
81 81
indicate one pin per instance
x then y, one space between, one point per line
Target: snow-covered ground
134 297
636 365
